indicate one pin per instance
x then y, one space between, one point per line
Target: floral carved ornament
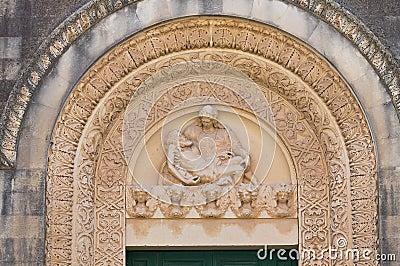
315 115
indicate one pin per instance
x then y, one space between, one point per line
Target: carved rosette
315 115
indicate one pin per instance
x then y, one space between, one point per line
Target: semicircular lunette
87 17
273 60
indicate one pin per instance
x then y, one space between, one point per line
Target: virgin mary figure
206 152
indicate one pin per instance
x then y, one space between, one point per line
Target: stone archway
340 204
97 12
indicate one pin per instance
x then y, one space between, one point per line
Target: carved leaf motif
313 176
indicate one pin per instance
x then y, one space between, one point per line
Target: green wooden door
202 258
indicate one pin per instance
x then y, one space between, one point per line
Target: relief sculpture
244 199
213 201
140 204
279 200
216 204
175 204
207 169
311 105
206 152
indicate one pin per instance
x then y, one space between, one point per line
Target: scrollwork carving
308 120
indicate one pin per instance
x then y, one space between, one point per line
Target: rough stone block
35 136
29 180
389 189
60 81
2 68
210 6
390 245
388 153
22 227
89 48
5 88
393 120
389 178
30 250
389 197
10 47
391 224
384 123
184 7
7 252
4 175
150 12
343 54
298 22
269 11
123 23
10 69
23 203
369 90
23 251
389 204
8 8
238 7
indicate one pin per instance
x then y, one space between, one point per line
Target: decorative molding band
341 131
43 62
92 13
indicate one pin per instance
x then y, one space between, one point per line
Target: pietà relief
208 169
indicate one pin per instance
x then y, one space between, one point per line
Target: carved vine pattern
290 126
302 144
89 15
252 39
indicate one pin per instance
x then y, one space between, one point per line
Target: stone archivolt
316 116
91 14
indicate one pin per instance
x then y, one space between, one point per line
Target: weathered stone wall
25 24
383 18
22 217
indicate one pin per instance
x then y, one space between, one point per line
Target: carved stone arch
315 190
96 12
82 126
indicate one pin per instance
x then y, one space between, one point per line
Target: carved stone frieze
245 201
217 202
139 203
89 15
212 201
280 200
315 115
